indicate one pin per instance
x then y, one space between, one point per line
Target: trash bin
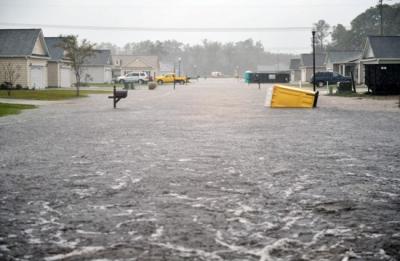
344 87
290 97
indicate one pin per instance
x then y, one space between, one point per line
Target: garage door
65 77
37 79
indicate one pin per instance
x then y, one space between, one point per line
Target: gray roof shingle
18 42
342 56
100 57
294 64
53 44
307 59
385 46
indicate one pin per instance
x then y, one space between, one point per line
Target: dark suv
330 77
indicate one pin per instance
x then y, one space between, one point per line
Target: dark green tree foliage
367 23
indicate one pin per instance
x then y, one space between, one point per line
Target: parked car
170 77
140 77
331 77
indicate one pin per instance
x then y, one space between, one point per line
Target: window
271 76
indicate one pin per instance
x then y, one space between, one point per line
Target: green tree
77 52
367 23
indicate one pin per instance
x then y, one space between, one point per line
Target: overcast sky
268 14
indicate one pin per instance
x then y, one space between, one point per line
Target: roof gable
137 64
22 42
382 47
125 60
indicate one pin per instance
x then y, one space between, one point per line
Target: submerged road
204 172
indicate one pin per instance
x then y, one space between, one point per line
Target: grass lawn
49 94
7 109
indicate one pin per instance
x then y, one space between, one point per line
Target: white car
140 77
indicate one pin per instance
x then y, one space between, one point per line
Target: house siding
96 74
19 63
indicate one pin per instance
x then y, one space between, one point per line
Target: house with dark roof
345 63
98 67
295 72
306 65
123 64
25 52
381 59
334 59
59 67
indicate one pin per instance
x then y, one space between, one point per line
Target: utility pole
313 47
381 14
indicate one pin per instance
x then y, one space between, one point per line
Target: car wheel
181 82
141 82
160 82
320 84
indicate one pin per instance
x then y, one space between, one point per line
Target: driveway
205 172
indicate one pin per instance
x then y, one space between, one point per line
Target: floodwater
205 172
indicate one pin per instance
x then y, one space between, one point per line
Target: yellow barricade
290 97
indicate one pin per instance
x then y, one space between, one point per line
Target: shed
381 58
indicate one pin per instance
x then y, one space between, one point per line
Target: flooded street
205 172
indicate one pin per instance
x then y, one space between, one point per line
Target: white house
25 52
123 64
306 65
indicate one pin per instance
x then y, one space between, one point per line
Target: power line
166 29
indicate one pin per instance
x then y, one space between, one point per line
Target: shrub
3 86
152 85
18 87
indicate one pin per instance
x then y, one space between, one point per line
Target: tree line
208 56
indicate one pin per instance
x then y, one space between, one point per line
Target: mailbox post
117 96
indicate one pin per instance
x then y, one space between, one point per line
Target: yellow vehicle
170 77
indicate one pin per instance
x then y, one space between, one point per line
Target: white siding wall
96 74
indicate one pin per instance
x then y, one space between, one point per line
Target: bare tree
321 35
77 53
11 75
